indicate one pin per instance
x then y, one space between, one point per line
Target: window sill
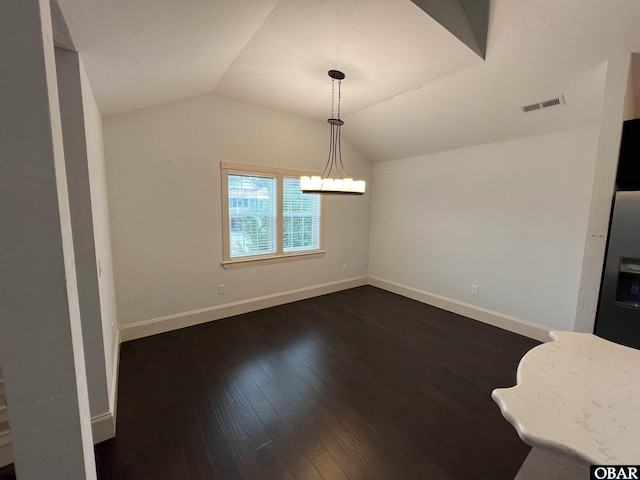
288 257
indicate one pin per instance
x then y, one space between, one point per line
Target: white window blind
301 212
252 215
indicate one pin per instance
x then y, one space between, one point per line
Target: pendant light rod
341 183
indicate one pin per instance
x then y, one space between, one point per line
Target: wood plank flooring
357 385
360 384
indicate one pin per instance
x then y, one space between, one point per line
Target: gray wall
101 232
75 152
41 347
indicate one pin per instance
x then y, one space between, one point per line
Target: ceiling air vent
552 102
531 108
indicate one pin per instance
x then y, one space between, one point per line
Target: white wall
163 178
510 217
101 229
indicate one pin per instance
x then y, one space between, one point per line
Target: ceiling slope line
412 89
249 40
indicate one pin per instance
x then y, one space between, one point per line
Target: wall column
602 192
75 154
41 349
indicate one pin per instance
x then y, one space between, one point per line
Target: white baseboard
195 317
500 320
103 426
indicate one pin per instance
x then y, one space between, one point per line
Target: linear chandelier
334 179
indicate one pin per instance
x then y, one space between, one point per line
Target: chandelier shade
334 179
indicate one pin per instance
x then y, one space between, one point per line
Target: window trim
228 168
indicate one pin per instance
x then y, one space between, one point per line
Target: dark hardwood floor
7 473
361 384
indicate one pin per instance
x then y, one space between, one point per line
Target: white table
579 396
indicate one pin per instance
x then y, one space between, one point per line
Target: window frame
229 168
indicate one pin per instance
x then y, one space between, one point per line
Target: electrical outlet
222 289
344 267
474 289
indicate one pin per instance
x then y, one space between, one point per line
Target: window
252 215
266 217
301 218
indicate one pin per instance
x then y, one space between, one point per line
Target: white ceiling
411 86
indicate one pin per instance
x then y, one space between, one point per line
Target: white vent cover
552 102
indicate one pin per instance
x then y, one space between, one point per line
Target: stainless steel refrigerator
618 317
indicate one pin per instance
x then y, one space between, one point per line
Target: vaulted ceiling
412 86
